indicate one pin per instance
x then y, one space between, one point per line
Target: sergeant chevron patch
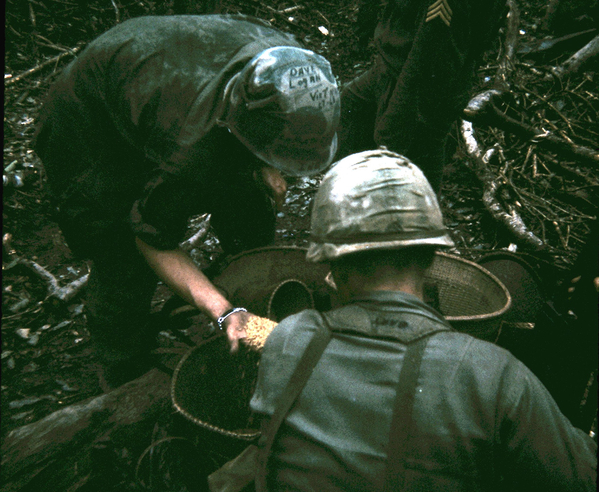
439 9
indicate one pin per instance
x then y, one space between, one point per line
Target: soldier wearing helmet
381 393
163 118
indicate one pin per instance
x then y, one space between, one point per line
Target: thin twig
544 100
50 44
41 66
32 16
117 13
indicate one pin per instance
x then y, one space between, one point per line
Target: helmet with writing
374 200
284 107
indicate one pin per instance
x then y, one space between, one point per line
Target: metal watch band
221 319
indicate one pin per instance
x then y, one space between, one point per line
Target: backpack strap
402 416
297 381
402 412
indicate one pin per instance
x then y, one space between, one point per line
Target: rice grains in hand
257 330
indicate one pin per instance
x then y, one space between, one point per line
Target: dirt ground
46 362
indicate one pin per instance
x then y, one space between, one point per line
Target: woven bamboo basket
212 387
470 297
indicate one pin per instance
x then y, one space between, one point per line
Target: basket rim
487 273
269 313
246 436
250 434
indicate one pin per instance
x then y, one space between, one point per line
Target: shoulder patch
440 9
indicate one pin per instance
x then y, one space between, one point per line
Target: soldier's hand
235 328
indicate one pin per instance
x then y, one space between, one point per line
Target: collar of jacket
386 314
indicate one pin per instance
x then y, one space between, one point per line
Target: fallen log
56 453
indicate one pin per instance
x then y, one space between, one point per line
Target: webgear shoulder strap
402 416
402 412
294 387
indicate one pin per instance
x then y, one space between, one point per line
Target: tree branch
41 66
511 220
63 294
573 64
506 62
482 111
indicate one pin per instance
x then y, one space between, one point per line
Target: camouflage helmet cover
284 107
374 200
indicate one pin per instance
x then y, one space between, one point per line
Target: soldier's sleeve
539 446
176 189
160 216
437 75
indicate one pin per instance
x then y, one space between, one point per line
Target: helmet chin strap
227 95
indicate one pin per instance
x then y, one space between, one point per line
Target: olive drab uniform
477 419
396 399
426 54
132 147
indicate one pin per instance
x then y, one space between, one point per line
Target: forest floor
46 362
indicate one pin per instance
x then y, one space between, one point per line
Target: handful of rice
257 330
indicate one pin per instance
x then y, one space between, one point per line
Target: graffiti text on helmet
304 76
325 97
303 71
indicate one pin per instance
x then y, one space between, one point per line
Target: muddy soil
46 361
